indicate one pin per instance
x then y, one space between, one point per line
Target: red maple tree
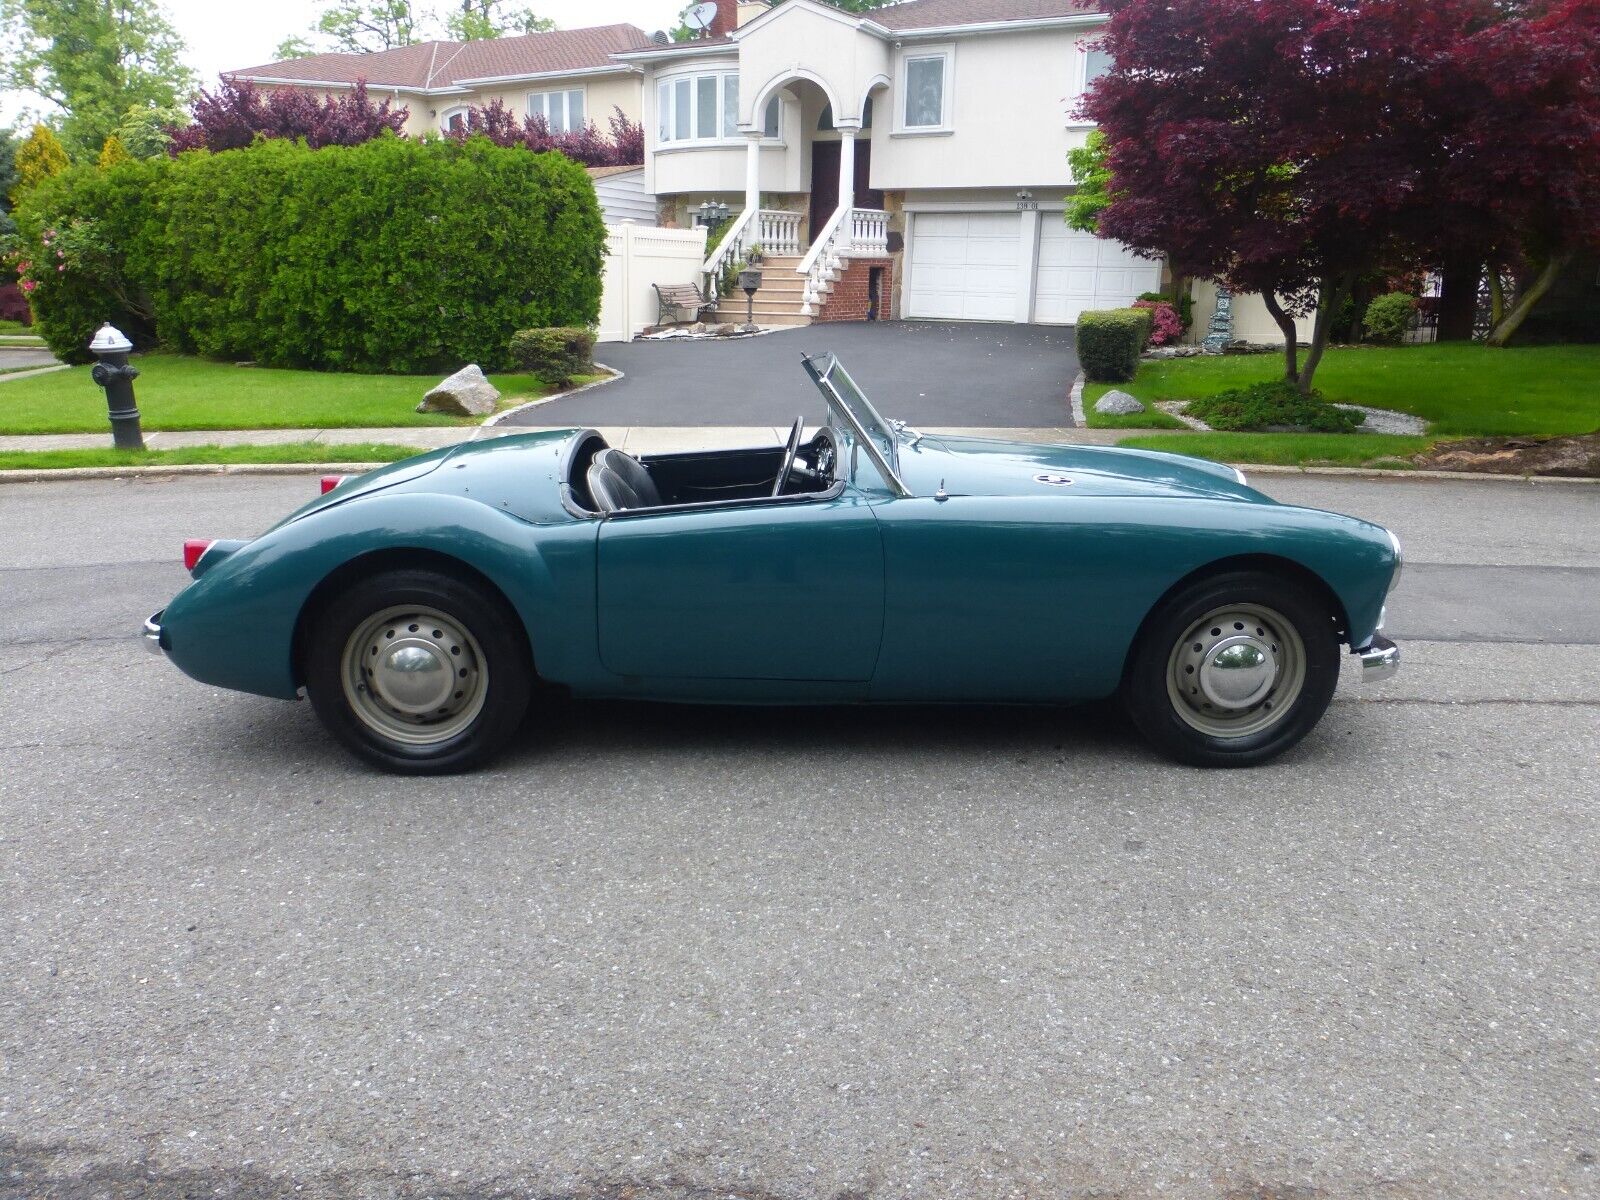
1289 147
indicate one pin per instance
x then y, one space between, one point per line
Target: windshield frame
823 368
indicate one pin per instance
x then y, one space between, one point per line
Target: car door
785 590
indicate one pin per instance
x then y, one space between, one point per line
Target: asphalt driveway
943 373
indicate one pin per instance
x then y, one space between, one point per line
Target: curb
79 474
32 372
1075 399
1381 473
532 404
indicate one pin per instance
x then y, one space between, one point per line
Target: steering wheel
789 453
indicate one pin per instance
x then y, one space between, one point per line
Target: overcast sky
228 34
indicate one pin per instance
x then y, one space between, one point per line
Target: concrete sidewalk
641 438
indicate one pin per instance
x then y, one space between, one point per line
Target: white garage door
1079 271
964 266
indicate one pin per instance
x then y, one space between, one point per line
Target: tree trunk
1508 324
1497 297
1458 298
1329 300
1291 352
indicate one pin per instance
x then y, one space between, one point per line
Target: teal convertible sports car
420 606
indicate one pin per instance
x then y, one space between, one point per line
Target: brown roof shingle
444 64
931 14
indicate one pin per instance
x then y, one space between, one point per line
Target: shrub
1276 407
13 304
392 255
1184 304
1110 341
1388 317
239 112
554 355
38 158
1166 326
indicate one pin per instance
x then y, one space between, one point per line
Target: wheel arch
1271 564
392 558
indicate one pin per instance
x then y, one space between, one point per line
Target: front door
825 181
788 591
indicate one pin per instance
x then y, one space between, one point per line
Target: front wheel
1233 670
419 672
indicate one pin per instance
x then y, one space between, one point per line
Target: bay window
699 109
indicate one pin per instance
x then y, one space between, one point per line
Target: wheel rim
1237 671
414 675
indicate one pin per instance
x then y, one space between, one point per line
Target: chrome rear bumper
1379 660
152 633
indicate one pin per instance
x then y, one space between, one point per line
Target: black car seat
618 481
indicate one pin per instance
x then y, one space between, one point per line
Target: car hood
985 467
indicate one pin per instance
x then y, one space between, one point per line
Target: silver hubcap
1237 671
414 675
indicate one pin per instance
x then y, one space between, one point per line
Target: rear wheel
1233 670
419 672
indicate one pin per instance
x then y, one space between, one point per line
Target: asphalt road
944 373
775 955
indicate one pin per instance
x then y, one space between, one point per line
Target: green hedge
391 256
557 355
1388 317
1110 341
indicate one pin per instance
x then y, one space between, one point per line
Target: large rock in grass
1118 404
465 394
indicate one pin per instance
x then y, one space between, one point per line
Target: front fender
234 626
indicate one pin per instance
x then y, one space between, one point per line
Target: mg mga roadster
420 606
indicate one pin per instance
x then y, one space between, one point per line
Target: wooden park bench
684 297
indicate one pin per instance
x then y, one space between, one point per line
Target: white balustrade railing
849 232
729 250
778 232
869 231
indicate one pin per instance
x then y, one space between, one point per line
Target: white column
752 170
1027 265
847 168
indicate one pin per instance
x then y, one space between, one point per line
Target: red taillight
193 549
329 482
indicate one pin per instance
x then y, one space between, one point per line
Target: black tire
1179 720
491 648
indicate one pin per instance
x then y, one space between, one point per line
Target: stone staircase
777 303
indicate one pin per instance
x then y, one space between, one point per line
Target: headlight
1399 560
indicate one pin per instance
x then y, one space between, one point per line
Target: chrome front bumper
152 634
1379 660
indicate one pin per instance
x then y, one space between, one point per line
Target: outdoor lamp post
114 373
750 283
712 214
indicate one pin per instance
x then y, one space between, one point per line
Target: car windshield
854 418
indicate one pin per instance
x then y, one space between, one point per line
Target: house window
925 91
562 111
701 109
1095 64
453 120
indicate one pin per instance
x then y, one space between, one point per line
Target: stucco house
908 162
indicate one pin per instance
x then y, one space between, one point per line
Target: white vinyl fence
642 255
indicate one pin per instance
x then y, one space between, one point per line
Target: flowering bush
1165 323
239 112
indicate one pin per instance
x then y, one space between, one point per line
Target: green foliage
8 178
1092 179
1110 341
363 26
1276 407
475 20
94 61
1388 317
292 47
113 153
557 355
37 159
143 130
393 255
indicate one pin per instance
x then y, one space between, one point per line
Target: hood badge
1053 480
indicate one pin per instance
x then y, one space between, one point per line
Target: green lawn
177 392
1151 418
1289 449
1461 387
14 327
288 452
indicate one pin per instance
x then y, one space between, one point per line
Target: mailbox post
114 373
750 284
